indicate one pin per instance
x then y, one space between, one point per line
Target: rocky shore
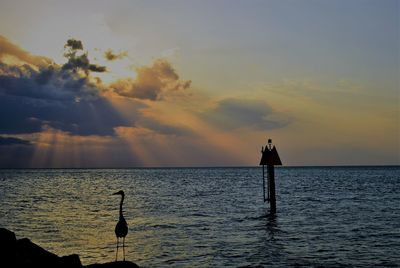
24 253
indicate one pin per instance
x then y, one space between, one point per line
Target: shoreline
24 253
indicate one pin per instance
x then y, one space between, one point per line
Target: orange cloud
8 48
110 55
151 82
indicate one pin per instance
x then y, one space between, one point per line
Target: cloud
33 98
151 82
8 48
16 156
78 60
67 98
20 115
67 107
110 55
163 128
233 113
49 83
15 152
74 44
6 141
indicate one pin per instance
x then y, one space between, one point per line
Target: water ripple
327 217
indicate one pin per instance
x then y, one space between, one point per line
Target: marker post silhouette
270 158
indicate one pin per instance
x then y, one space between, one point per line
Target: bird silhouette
121 229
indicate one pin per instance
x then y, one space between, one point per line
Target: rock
7 237
24 253
30 254
8 242
71 261
117 264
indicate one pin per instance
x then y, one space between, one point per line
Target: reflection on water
271 226
209 217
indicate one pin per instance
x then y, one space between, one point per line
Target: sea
210 217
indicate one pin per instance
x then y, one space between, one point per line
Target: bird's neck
120 206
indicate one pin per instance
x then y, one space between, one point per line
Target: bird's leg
123 246
116 255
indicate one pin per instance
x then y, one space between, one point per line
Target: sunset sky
198 83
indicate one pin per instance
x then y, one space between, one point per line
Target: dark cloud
78 59
15 152
151 82
237 113
39 97
16 156
97 68
20 115
81 62
74 44
110 55
48 83
6 141
56 96
67 98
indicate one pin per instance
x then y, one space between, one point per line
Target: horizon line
203 167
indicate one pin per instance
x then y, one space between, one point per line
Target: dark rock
29 253
117 264
7 237
71 261
24 253
8 243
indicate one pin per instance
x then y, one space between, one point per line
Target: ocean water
210 217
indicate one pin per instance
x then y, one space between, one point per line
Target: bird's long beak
115 193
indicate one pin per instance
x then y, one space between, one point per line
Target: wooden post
271 181
270 158
263 183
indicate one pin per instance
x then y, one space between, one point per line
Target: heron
121 229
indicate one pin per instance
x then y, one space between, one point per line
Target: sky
198 83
